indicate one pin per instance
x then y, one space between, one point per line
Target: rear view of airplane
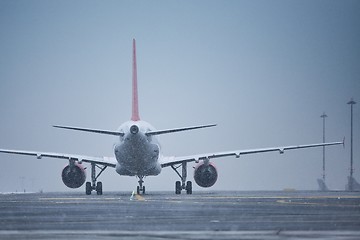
137 153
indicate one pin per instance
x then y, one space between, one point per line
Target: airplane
137 153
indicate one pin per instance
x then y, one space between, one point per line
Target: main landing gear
93 185
180 185
140 189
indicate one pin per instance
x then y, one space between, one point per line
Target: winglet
135 104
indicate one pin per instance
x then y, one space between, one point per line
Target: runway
164 215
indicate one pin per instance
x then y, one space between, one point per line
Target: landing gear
93 185
180 185
140 189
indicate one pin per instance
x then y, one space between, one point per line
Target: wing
105 161
169 161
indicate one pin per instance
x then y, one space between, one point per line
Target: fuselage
137 154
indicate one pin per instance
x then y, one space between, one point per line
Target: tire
88 188
189 187
99 188
178 187
143 191
138 190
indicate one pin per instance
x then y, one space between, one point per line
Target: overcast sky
264 71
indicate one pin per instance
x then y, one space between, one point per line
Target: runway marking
316 204
295 200
282 197
161 234
75 199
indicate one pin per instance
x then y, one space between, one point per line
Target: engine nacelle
74 176
205 175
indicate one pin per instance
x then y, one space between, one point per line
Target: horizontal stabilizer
91 130
177 130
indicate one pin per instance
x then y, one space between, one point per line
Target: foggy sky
264 71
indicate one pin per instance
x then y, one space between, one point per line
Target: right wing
105 161
170 161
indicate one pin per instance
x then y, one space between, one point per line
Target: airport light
323 116
351 102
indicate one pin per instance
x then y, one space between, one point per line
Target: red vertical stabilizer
135 104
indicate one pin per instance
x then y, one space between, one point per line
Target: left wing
105 161
169 161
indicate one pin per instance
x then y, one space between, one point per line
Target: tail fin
135 104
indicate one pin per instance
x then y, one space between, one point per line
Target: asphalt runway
164 215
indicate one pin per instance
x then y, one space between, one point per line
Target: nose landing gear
140 189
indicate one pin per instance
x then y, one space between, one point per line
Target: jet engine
73 176
205 175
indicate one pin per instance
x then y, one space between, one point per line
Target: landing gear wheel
139 190
99 188
189 187
178 187
88 188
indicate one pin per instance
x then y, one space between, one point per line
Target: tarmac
164 215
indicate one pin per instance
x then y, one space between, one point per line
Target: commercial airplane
137 153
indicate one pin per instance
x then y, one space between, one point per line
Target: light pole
323 116
351 102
